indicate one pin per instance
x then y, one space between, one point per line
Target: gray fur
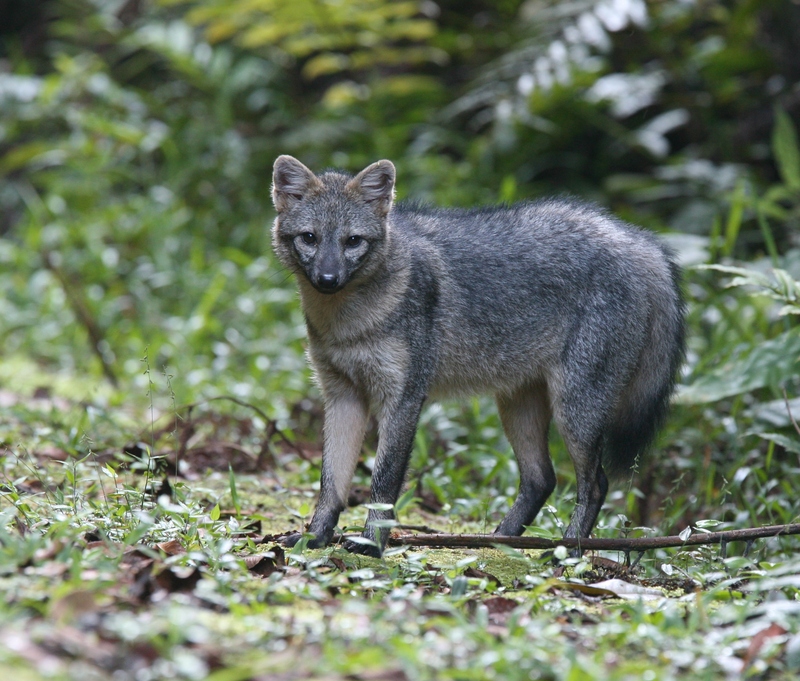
555 307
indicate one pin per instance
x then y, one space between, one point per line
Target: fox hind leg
583 413
525 416
592 485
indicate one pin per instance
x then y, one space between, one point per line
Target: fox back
555 307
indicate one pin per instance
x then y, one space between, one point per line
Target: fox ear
375 184
291 181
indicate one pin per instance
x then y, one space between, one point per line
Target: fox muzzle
327 282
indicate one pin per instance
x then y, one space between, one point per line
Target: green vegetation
136 145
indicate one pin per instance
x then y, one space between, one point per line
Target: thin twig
151 449
235 400
619 544
789 411
84 315
271 427
270 423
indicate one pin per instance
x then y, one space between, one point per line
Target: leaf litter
176 582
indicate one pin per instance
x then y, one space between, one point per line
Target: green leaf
734 219
234 492
379 507
22 155
138 532
215 512
784 288
785 149
406 499
383 523
767 364
508 189
706 524
789 309
788 443
362 540
766 231
743 277
301 545
210 297
459 587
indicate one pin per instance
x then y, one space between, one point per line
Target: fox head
331 229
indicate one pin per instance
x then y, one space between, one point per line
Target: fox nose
328 281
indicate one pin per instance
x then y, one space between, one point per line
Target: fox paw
363 549
290 539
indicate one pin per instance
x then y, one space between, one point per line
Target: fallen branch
618 544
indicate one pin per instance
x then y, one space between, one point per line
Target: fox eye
353 241
308 238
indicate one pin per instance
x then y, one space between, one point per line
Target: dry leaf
171 548
480 574
758 641
267 564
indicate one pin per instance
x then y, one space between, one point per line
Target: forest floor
151 554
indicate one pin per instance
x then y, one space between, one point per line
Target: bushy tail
644 404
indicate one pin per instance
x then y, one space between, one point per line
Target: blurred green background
136 145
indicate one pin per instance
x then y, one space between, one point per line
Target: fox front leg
396 432
346 417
